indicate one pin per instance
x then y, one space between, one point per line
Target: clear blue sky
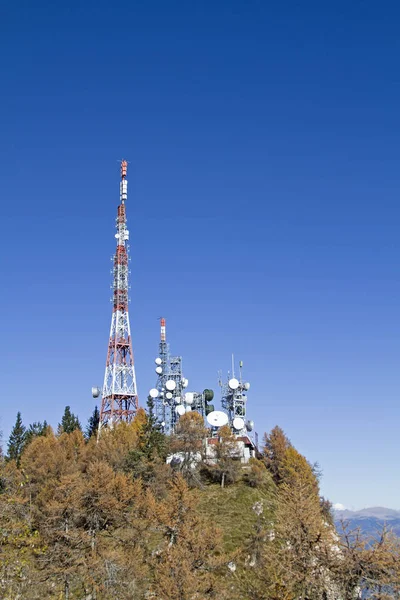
264 186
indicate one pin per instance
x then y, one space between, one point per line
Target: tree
189 557
93 424
224 466
274 452
69 422
34 430
188 445
17 440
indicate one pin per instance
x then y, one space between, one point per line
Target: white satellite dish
177 399
250 425
158 361
159 370
188 408
168 395
153 393
96 392
233 384
185 382
246 385
238 423
189 396
180 410
170 385
217 418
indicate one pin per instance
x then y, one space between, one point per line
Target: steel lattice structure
119 397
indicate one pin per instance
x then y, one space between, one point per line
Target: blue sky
263 141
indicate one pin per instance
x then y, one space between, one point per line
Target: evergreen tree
69 422
34 430
17 440
93 424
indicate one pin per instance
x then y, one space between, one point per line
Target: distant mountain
370 520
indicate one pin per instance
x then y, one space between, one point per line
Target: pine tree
34 430
17 440
93 424
69 422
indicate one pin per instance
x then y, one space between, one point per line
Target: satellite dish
95 392
238 423
185 382
168 395
153 393
180 410
188 409
217 418
170 385
246 385
189 396
159 370
233 384
177 399
250 425
158 361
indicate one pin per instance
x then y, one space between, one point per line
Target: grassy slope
231 508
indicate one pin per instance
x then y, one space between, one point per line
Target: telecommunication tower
119 395
234 401
170 397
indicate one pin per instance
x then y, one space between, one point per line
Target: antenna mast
119 398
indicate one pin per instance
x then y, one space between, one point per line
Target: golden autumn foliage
109 519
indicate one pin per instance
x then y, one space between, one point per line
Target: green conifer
69 422
93 424
17 440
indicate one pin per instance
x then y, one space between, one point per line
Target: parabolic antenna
159 370
246 385
217 418
189 397
95 392
170 385
158 361
153 393
250 425
233 384
177 399
180 410
188 408
168 395
185 382
238 423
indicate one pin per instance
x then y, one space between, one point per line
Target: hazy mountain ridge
370 520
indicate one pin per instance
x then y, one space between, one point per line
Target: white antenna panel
180 410
158 361
246 385
189 397
217 418
238 423
159 370
233 383
153 393
168 395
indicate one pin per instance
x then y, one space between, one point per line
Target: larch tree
188 562
225 464
274 452
188 446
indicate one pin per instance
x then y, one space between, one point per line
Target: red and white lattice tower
120 398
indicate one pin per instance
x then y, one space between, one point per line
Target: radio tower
120 400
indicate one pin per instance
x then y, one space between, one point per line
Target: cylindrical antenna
123 186
163 333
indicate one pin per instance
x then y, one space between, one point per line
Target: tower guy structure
170 397
119 396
